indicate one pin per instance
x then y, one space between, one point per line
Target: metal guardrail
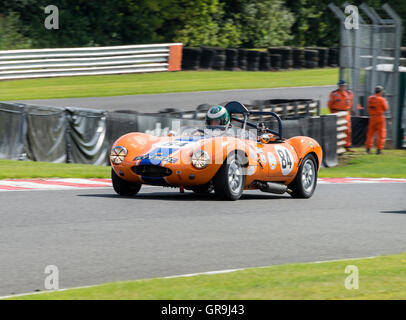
341 135
284 110
39 63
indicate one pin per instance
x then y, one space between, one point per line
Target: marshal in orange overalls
341 100
377 105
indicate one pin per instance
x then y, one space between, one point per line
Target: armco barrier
85 135
38 63
285 108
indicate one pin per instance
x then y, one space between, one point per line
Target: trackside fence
39 63
77 135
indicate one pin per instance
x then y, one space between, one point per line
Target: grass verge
382 277
12 169
389 164
164 82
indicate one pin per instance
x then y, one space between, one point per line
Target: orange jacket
377 106
340 100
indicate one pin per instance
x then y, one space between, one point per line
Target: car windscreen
218 131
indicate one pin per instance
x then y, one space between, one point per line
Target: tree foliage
265 23
226 23
11 33
202 23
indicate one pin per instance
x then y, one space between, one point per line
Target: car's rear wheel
306 179
122 187
230 179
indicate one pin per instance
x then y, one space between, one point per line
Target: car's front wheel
122 187
306 179
230 179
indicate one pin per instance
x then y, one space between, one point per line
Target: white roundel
285 159
262 158
272 161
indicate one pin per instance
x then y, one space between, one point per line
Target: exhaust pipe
272 187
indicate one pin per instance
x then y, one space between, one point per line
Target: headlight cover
118 154
200 159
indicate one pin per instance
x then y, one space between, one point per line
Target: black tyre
306 179
122 187
230 179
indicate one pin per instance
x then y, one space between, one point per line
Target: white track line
183 276
76 183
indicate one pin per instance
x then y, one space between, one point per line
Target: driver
217 116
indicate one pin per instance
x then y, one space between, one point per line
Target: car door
281 161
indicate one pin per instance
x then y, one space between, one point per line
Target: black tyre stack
275 61
333 57
231 59
219 60
286 56
242 59
298 58
264 61
207 58
275 58
252 60
323 57
403 52
311 58
191 58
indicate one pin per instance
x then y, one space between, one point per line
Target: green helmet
218 113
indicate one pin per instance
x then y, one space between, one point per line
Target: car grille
152 171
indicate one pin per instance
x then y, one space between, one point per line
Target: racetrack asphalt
94 236
187 100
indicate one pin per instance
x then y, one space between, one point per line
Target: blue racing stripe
161 152
167 151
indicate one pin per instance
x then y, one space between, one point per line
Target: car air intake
152 171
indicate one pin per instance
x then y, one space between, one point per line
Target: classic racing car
241 155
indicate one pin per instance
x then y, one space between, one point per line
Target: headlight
118 154
200 159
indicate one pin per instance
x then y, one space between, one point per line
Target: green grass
383 277
324 111
11 169
389 164
183 81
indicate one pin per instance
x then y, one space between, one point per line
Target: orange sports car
243 155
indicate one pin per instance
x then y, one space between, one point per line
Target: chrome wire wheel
304 184
229 180
235 178
308 175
